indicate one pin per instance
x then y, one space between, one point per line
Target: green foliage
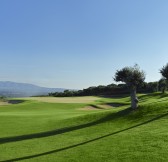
163 85
132 76
2 98
94 91
164 71
149 87
112 89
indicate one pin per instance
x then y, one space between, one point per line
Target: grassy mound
43 131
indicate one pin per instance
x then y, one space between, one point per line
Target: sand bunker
15 101
2 103
10 102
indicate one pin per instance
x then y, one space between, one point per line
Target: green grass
41 131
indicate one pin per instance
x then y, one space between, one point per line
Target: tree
132 77
164 72
152 86
162 85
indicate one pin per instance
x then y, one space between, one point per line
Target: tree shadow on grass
96 107
111 105
154 102
147 96
108 117
117 104
83 143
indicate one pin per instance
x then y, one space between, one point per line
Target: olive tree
132 77
164 71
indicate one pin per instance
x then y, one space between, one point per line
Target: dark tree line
94 91
112 89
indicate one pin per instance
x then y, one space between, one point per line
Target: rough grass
36 131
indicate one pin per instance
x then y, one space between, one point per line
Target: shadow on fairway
96 107
112 105
116 104
66 129
83 143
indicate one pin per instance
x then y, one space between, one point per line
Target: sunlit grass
43 131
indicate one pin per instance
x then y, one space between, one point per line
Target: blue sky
81 43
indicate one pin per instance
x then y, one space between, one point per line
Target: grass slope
42 131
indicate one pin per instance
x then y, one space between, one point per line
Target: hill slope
64 132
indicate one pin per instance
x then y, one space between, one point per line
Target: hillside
12 89
64 132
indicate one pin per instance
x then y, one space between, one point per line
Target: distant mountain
12 89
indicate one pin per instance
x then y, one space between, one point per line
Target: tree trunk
134 99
